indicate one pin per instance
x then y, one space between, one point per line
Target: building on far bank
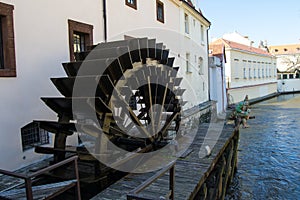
248 70
218 80
288 66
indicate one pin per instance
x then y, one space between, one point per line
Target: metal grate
33 135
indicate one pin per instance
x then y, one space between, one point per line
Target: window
194 22
160 11
202 32
1 45
186 23
7 42
78 42
250 73
200 65
244 71
80 37
187 60
291 76
33 135
131 3
284 76
258 73
254 73
263 73
236 69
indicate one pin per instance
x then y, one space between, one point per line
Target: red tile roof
285 49
234 45
216 49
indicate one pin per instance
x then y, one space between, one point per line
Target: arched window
200 65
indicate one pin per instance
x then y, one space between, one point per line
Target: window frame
158 4
132 5
186 23
32 134
200 65
8 41
188 62
79 27
202 32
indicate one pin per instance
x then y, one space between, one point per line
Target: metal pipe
105 20
208 74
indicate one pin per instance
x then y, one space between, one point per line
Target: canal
269 152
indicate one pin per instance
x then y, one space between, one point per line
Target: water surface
269 152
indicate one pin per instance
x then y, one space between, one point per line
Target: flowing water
269 152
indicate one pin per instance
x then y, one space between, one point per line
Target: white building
37 38
40 35
218 81
288 65
176 23
249 70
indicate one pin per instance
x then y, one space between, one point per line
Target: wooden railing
28 178
133 195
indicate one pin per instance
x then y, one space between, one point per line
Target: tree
292 62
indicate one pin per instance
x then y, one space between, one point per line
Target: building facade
218 81
288 66
176 23
36 42
249 71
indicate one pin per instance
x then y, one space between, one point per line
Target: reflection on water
269 152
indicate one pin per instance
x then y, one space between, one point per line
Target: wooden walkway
190 171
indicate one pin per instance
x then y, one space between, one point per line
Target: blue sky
276 21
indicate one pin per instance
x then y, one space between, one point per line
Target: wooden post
172 182
29 195
77 178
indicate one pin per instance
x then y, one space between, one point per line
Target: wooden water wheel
128 90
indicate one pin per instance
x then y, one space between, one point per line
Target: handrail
133 194
13 174
28 178
51 167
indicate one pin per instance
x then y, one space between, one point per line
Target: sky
276 21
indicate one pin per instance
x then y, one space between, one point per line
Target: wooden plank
41 191
190 171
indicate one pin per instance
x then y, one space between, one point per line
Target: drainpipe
105 20
209 98
222 74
